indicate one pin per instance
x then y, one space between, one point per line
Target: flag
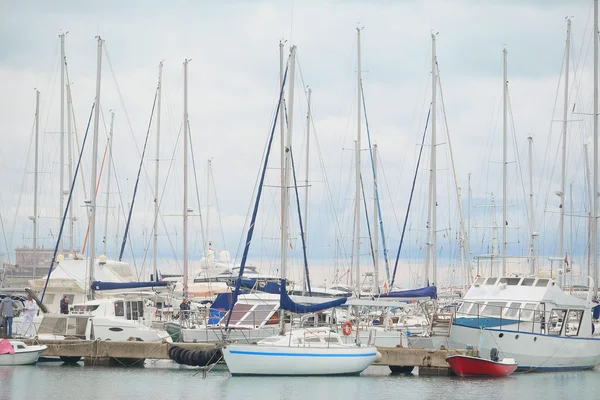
385 287
567 259
291 246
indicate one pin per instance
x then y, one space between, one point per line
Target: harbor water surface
167 380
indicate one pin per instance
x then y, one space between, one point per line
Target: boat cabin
527 304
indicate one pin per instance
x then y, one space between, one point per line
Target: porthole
516 336
501 335
535 339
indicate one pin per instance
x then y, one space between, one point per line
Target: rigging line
256 204
362 187
202 233
12 235
412 190
64 218
105 47
162 195
378 216
218 209
137 180
300 222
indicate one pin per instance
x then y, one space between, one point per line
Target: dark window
510 281
528 281
542 283
119 312
491 281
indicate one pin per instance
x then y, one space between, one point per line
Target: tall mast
433 198
109 157
357 167
70 156
185 179
595 191
286 195
308 121
156 173
375 221
564 145
282 120
468 238
92 246
504 159
590 202
62 136
531 210
35 182
208 173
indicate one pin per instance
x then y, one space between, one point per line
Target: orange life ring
347 328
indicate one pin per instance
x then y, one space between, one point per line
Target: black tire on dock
175 354
171 350
190 358
70 360
401 369
182 356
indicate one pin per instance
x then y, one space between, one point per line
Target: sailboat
300 352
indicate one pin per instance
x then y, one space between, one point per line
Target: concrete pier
429 361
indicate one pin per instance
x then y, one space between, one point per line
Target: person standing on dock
64 305
6 307
27 324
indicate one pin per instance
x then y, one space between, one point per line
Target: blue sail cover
288 304
429 291
97 285
261 284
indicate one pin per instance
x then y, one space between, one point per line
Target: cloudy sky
233 89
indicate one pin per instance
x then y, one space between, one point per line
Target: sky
233 87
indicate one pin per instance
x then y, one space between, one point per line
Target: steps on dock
440 324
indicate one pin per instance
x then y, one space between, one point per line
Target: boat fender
379 357
347 328
593 328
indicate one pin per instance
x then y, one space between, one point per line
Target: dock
99 352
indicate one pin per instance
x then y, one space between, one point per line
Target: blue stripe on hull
261 353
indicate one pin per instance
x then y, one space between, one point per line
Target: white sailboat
300 352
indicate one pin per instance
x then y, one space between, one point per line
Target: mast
375 221
564 145
35 183
70 156
282 119
185 179
357 167
109 157
308 120
595 190
62 136
531 210
287 176
504 159
156 172
92 246
468 238
590 202
208 173
433 182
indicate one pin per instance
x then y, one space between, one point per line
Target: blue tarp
97 285
260 284
429 291
288 304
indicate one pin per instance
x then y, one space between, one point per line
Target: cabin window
491 281
80 326
555 324
573 322
513 311
493 309
49 299
475 308
528 311
479 281
312 340
463 308
528 281
510 281
54 326
20 346
542 283
331 340
119 310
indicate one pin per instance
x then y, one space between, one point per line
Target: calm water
165 380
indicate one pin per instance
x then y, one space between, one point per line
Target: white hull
247 359
532 351
30 356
